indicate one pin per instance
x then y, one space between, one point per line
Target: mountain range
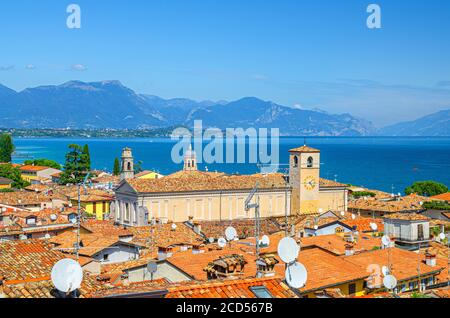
110 104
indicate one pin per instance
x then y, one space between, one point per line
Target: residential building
147 174
94 204
5 183
409 230
32 173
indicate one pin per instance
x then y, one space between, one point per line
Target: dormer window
31 220
310 162
295 161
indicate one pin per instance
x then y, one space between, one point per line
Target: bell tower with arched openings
127 164
190 160
304 178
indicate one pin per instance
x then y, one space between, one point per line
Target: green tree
138 167
116 170
75 168
87 156
43 162
6 147
427 188
12 173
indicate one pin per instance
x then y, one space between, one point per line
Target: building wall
117 254
333 199
165 270
101 208
151 175
201 206
5 186
359 284
331 229
406 230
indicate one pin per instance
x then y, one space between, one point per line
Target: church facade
196 195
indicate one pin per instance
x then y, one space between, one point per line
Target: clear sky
311 54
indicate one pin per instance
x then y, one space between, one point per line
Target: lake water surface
378 163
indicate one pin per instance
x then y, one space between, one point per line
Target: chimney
265 266
430 258
164 253
349 250
197 227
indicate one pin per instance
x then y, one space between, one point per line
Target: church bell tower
190 160
127 164
304 177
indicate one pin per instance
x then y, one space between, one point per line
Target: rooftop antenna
152 267
77 248
67 275
295 274
286 183
255 206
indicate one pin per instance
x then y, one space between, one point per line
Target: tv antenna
77 248
295 274
248 206
222 242
67 275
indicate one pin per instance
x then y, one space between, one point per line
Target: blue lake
379 163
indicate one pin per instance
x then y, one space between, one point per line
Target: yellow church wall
214 206
334 200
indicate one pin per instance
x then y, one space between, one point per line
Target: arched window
295 161
129 166
310 162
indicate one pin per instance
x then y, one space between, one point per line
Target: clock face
310 183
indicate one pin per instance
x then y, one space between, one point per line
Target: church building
191 194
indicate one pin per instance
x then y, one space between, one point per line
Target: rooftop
407 216
443 196
305 149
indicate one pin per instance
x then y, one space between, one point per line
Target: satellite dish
373 226
265 240
152 267
442 236
342 213
288 250
23 237
386 241
316 227
3 209
320 210
296 275
174 226
353 216
74 220
211 240
390 282
53 217
230 233
47 236
67 275
222 242
385 270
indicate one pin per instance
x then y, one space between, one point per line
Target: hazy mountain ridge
109 104
436 124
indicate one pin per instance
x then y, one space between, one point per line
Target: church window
295 161
310 162
129 166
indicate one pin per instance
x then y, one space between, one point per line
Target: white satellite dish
152 267
390 282
67 275
296 275
3 209
353 216
316 227
23 237
53 217
211 240
342 213
288 250
265 240
73 220
222 242
385 270
386 241
230 233
47 236
421 203
442 236
373 226
174 226
320 210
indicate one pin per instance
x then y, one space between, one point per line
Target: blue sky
311 54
